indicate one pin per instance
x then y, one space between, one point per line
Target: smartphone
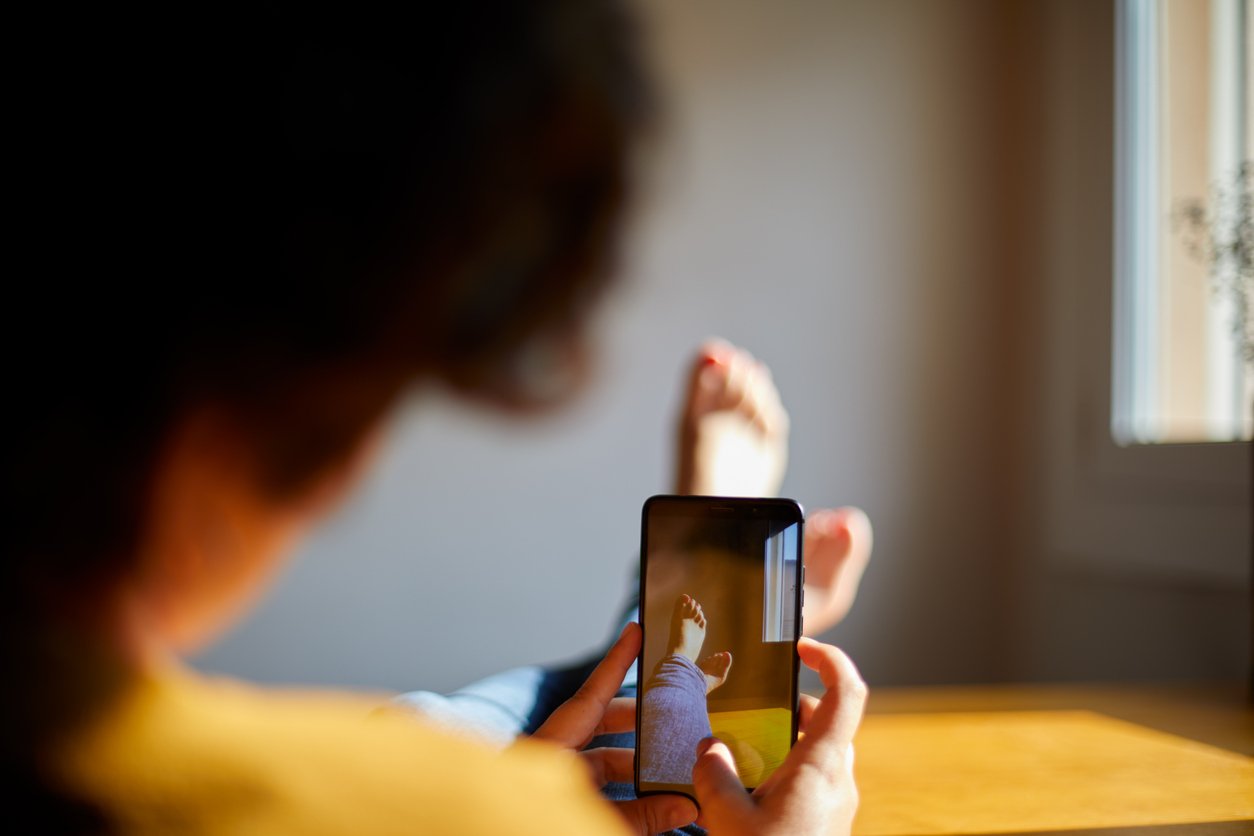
720 607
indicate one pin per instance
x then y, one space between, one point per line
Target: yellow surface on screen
758 739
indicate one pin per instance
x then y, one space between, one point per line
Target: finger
608 764
574 722
657 813
836 717
620 716
720 793
607 678
805 711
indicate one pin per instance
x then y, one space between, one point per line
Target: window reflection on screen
780 582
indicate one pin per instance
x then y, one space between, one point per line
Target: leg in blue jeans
501 707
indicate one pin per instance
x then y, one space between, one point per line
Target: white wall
830 196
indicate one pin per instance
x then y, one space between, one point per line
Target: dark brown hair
302 219
288 217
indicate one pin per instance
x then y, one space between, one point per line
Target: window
1183 353
780 585
1112 507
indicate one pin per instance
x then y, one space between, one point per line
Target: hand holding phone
814 790
595 710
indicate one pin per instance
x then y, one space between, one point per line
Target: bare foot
687 628
716 666
837 547
733 430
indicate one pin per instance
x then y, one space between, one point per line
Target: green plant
1220 231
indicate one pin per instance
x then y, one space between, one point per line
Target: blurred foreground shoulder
204 756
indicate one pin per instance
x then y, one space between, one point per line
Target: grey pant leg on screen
673 720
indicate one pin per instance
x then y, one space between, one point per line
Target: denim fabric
518 701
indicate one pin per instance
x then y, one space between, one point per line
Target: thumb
657 813
719 791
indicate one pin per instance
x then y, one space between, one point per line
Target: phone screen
720 606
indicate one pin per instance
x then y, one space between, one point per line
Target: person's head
306 212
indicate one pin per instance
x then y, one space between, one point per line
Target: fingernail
704 745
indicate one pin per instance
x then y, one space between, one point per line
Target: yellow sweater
184 754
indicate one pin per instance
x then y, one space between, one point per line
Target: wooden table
1152 760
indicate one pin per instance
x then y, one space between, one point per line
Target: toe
708 379
737 385
768 409
714 349
684 607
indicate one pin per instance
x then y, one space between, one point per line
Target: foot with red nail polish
837 548
733 430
